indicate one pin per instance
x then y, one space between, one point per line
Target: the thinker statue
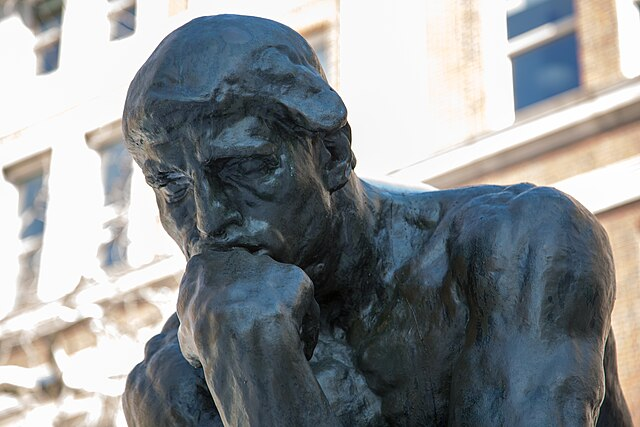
313 298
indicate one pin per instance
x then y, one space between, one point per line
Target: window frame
113 214
44 38
117 8
18 174
534 39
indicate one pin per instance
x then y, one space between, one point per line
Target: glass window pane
48 58
123 23
35 227
545 71
117 168
33 205
29 191
537 13
116 174
113 253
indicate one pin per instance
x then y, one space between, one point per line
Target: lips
197 246
255 237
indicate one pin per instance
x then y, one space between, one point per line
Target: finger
310 329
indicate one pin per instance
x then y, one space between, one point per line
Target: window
122 16
542 48
44 17
30 179
32 208
116 167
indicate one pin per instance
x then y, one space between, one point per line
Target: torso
396 360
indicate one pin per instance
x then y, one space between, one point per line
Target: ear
340 161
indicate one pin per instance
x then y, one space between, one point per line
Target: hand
250 321
245 297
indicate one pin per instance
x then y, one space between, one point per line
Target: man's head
236 129
217 65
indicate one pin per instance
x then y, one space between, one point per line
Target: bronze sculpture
311 297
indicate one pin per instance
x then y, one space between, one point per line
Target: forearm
264 380
526 382
538 276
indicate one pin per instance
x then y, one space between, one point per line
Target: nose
214 211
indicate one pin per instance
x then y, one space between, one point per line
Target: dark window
542 68
46 23
48 57
536 14
113 253
122 17
116 182
32 209
33 205
116 174
546 71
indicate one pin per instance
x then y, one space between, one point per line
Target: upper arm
538 277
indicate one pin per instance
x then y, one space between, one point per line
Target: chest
396 367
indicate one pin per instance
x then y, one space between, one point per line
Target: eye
251 167
174 187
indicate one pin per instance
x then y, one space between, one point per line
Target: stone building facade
438 92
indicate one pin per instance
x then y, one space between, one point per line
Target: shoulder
539 211
494 197
536 246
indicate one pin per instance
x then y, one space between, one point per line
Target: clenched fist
252 323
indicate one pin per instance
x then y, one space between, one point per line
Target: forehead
204 137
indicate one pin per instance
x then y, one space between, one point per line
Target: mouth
205 246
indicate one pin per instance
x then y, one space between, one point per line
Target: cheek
176 219
301 180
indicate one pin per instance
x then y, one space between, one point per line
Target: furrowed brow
157 177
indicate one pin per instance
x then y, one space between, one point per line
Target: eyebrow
157 178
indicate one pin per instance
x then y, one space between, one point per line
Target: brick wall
596 26
455 73
591 153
